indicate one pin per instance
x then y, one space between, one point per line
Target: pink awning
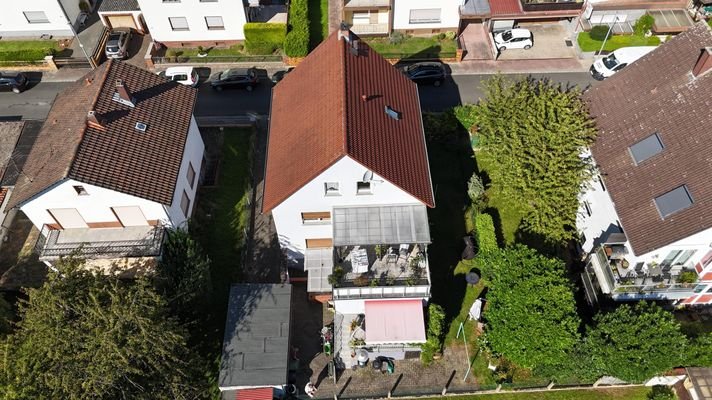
394 321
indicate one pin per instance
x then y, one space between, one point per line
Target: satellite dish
368 176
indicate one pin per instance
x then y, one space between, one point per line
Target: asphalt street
36 101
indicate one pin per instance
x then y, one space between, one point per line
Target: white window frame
44 20
178 29
416 20
364 190
220 27
331 189
316 221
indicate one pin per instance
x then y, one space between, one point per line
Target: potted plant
202 52
354 324
687 277
336 276
379 250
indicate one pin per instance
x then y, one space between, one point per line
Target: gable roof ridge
82 132
345 98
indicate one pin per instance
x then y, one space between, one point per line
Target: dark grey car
117 45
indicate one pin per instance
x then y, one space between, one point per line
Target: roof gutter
264 168
425 145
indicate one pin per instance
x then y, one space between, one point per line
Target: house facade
415 17
117 161
645 220
671 16
34 18
348 185
117 14
207 23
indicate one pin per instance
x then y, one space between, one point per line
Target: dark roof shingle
657 94
331 121
119 5
118 157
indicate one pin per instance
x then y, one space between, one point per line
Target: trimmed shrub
709 22
26 55
450 35
643 24
659 392
476 191
264 38
598 32
296 44
436 328
484 233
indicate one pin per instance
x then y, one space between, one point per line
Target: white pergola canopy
371 225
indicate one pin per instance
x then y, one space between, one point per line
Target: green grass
222 214
413 47
507 216
615 42
628 393
318 21
19 45
471 294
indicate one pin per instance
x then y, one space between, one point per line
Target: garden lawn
223 214
318 21
628 393
615 42
26 50
413 47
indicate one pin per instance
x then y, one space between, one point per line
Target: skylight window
646 148
673 201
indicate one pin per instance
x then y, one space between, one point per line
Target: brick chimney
124 93
94 121
704 63
344 32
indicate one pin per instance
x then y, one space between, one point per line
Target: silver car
117 45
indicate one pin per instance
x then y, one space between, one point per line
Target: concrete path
545 66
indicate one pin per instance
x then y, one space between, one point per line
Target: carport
550 42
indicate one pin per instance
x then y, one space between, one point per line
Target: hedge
484 233
26 55
296 44
263 37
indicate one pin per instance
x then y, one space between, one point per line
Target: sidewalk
64 74
485 67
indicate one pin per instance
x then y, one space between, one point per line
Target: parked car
184 75
279 75
426 73
514 39
616 61
117 44
13 82
235 78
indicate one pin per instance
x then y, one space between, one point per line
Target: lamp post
92 64
615 19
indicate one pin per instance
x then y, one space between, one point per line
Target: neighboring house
381 17
16 139
671 16
34 18
191 23
117 160
647 219
256 349
348 185
122 14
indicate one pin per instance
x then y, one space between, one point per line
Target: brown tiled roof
318 116
118 157
657 94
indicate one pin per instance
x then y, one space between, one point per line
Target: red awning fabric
255 394
394 321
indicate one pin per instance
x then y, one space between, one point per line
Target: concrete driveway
549 42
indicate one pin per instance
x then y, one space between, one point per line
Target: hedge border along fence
484 233
296 44
263 38
29 55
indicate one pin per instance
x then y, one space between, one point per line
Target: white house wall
193 154
14 24
449 14
94 207
359 306
311 198
156 14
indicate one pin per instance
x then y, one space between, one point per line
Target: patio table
654 270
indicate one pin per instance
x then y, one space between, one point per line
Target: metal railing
49 246
551 5
215 59
380 292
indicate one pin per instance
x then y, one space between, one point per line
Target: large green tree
531 315
538 132
635 343
84 335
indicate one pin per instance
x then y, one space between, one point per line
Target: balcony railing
135 241
369 29
551 5
379 292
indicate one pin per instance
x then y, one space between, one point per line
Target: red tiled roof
118 157
503 7
3 193
657 94
318 116
255 394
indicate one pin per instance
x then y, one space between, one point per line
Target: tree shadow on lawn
452 163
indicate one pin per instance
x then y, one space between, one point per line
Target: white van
616 61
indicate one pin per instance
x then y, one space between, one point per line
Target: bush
264 38
643 24
599 32
484 233
296 43
659 392
26 55
450 35
476 191
441 36
436 328
397 38
687 277
709 22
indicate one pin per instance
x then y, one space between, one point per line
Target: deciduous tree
538 132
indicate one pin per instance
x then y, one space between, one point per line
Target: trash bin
362 358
